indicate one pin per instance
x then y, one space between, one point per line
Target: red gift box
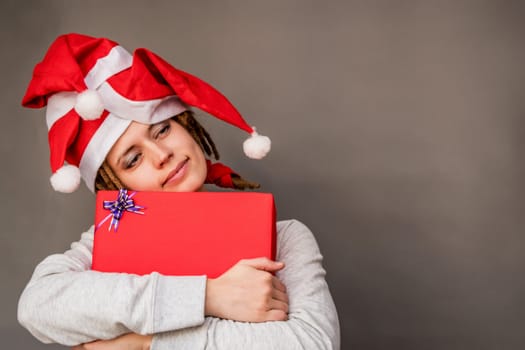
191 233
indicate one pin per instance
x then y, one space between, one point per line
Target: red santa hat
93 89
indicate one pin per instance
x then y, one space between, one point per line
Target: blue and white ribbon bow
124 202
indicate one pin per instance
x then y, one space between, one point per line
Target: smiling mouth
176 173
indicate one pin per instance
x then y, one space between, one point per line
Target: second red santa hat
93 89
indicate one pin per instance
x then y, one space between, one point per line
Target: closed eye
162 130
132 160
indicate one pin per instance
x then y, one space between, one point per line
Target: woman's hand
248 292
130 341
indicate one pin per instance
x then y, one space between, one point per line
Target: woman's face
158 157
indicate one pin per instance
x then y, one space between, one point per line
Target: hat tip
89 105
257 146
66 179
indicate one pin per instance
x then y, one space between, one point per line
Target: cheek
142 179
200 161
199 168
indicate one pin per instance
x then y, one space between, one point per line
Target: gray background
397 132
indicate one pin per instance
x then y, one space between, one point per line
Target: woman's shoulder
85 244
295 233
88 235
89 232
291 225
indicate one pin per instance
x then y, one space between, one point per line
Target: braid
243 184
107 180
197 131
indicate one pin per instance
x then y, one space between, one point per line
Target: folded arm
312 320
66 302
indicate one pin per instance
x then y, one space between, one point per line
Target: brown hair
106 179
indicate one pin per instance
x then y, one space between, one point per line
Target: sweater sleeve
66 302
312 323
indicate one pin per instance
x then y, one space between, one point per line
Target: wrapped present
173 233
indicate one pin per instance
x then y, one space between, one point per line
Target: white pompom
257 146
89 105
66 179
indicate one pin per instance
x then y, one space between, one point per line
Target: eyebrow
132 146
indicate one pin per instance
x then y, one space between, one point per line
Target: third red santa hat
93 89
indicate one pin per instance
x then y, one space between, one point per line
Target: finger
278 305
277 284
281 296
276 315
264 264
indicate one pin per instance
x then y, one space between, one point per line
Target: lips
176 173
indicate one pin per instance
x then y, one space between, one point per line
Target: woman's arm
67 303
225 299
312 323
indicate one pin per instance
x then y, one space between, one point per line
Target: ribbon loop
123 203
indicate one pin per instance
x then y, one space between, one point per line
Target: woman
110 117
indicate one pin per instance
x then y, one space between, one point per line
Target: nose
160 154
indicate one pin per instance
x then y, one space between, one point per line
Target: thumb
264 264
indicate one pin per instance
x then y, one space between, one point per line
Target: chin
187 186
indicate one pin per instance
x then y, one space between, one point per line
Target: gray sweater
66 302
